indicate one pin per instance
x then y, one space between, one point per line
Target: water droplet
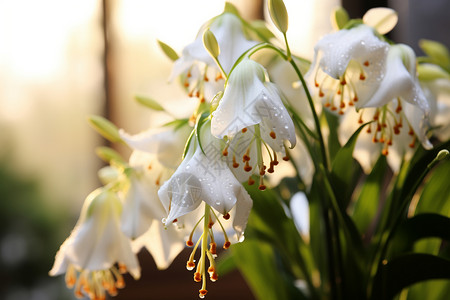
218 203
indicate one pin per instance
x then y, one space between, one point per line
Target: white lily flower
199 67
251 110
143 211
393 133
204 177
438 92
348 66
94 247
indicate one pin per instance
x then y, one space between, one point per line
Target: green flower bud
210 43
438 53
278 14
443 154
107 154
339 18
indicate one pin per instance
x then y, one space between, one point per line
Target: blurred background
61 61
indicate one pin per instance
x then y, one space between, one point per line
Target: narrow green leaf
108 154
333 141
104 127
345 170
150 103
257 262
369 198
418 227
172 54
408 269
438 52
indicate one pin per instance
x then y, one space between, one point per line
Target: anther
226 216
366 63
251 181
261 187
190 265
226 245
214 277
286 157
321 94
213 248
197 277
235 163
202 293
360 121
411 131
218 76
385 151
247 167
175 220
244 130
343 82
186 84
399 107
413 143
205 78
225 151
362 77
210 223
273 134
122 268
316 83
189 243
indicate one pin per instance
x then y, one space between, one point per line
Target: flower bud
278 14
383 19
210 43
107 154
339 18
443 154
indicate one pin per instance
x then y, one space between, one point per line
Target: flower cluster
187 182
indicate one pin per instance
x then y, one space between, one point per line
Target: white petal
359 43
164 244
383 19
243 207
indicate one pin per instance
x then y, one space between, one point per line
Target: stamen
261 186
225 151
213 248
226 216
247 167
366 63
235 163
244 130
413 143
273 135
251 181
202 293
362 77
218 76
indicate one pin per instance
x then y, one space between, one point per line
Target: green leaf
260 28
104 127
257 262
345 170
333 141
226 263
150 103
431 289
408 269
108 155
369 198
172 54
418 227
435 195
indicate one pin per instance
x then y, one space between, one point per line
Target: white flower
348 66
93 248
251 113
438 92
143 211
205 177
199 67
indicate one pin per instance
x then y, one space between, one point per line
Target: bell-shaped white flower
94 247
202 75
143 211
204 176
400 80
438 92
348 66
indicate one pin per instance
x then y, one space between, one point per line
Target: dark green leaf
345 171
406 270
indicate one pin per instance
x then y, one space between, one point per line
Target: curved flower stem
288 58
